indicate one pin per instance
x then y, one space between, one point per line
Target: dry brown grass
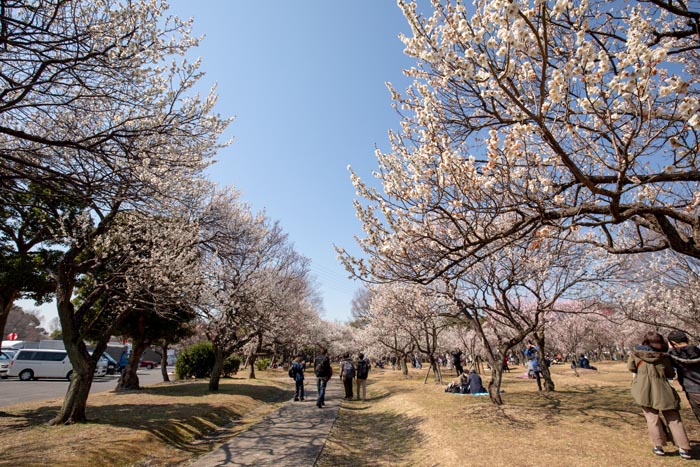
163 425
589 421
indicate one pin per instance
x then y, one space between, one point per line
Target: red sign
12 336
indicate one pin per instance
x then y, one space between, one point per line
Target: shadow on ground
363 439
176 424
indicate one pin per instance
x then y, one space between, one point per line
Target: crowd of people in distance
654 362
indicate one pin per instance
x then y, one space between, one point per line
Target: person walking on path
298 372
361 377
347 374
686 360
323 371
651 365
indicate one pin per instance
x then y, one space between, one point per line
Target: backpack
348 370
318 369
291 372
362 369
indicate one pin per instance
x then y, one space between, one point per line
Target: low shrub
196 361
262 364
231 365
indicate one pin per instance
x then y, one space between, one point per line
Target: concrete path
293 436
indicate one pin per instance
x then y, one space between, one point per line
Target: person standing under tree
347 374
361 377
323 371
686 360
651 365
534 362
457 361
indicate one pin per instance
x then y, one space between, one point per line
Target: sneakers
658 450
684 454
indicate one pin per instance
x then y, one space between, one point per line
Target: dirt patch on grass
162 425
590 421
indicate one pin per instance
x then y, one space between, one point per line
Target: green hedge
262 364
196 361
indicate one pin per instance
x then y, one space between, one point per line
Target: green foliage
262 364
232 364
195 361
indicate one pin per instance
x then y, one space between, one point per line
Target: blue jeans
299 390
321 387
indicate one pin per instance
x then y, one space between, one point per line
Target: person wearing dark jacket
323 371
475 384
347 374
686 360
298 372
457 361
651 365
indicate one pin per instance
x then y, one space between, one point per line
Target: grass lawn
163 425
590 420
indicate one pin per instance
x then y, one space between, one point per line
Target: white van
29 364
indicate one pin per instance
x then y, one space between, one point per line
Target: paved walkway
293 436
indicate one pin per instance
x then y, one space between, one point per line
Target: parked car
5 359
148 364
29 364
112 364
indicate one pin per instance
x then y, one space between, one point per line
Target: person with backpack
323 371
361 377
347 374
296 371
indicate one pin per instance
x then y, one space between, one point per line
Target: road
15 391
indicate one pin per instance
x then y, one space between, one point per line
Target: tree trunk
129 379
495 384
164 362
218 368
7 300
546 375
73 409
251 369
436 371
254 356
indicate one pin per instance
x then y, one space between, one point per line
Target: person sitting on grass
475 384
464 382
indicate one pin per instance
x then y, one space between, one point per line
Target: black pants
347 382
458 368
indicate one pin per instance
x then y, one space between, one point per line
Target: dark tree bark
164 362
215 377
546 374
129 379
75 402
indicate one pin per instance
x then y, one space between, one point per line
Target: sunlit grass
162 425
590 421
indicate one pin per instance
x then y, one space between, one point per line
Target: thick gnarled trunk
75 402
546 374
129 379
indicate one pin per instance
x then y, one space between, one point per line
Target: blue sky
305 81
